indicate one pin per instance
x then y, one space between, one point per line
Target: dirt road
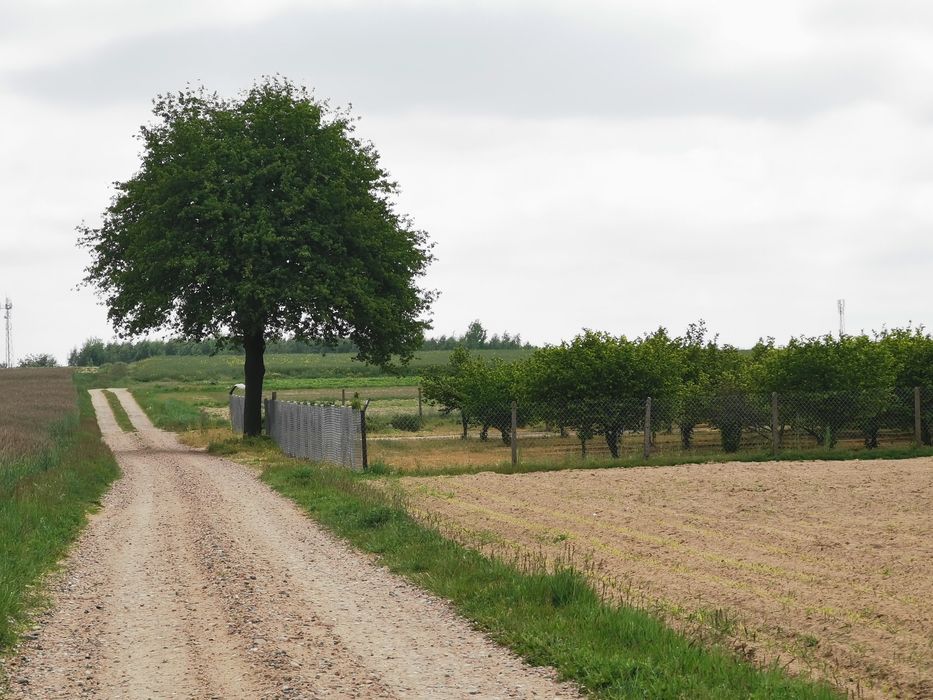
197 581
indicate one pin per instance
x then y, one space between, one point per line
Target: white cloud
607 165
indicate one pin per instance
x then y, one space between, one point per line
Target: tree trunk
612 440
686 435
254 369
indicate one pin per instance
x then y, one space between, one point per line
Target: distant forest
95 352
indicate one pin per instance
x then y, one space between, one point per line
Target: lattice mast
8 328
841 306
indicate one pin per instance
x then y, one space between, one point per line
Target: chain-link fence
691 425
402 431
318 432
717 422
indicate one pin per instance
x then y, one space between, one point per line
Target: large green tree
259 216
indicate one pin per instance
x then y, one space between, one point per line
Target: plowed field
826 567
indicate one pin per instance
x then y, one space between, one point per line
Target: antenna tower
841 305
7 308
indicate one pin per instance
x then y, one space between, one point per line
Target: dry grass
31 400
409 453
201 439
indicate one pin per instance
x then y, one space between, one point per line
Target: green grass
44 499
119 413
549 618
339 367
338 383
171 413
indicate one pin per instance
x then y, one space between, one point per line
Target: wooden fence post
918 424
647 450
775 436
343 397
363 434
514 436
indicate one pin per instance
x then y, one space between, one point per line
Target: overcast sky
608 165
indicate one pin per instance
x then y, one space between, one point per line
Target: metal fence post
647 450
420 414
514 439
775 436
918 424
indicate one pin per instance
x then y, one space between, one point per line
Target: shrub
410 422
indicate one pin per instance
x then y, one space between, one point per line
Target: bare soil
195 580
826 567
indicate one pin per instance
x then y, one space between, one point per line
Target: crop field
31 400
188 368
826 567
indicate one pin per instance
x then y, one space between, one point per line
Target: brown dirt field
824 566
31 399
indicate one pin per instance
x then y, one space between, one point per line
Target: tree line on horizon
94 352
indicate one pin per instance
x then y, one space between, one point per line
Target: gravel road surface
195 580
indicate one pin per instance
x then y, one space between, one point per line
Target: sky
616 166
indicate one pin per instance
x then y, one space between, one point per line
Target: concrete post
514 436
775 435
647 450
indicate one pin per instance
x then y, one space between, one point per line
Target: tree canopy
42 359
259 216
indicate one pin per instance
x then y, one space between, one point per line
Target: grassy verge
119 413
43 506
549 618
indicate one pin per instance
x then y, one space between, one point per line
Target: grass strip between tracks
549 618
119 413
170 413
43 507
